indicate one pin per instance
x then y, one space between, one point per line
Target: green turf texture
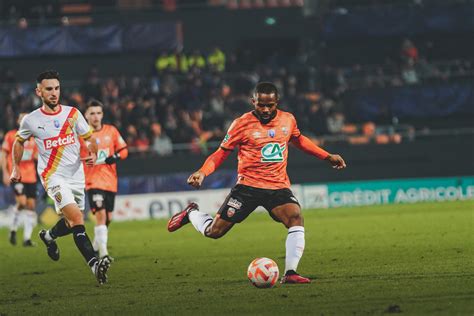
413 259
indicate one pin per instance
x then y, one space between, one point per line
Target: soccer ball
263 273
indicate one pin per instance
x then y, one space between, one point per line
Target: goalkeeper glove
112 159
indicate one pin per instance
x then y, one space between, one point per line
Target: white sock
294 247
47 236
16 220
29 223
95 244
200 221
101 235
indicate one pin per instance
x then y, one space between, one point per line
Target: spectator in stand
408 73
91 87
336 122
161 143
196 60
141 143
216 60
409 51
315 119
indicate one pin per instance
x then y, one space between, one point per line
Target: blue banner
73 40
388 21
412 101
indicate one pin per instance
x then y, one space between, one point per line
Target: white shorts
66 191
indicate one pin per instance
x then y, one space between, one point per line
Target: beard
267 118
51 104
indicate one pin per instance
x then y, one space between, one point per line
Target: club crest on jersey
58 197
271 133
230 212
56 124
273 152
284 131
71 122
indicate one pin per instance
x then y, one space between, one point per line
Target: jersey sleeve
234 136
25 131
295 131
120 144
82 127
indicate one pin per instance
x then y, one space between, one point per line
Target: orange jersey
263 149
27 163
103 176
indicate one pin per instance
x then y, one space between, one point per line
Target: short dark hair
94 102
48 74
266 87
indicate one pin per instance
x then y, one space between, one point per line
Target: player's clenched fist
15 176
336 161
196 179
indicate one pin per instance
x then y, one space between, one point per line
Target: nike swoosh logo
81 234
41 127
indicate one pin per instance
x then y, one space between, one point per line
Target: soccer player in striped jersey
56 129
101 178
25 191
262 136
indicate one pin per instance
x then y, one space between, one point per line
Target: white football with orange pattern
263 273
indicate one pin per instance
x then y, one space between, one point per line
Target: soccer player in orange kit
263 136
25 191
101 179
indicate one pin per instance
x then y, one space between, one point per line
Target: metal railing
406 135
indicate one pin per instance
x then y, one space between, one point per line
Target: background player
101 178
262 136
56 129
25 191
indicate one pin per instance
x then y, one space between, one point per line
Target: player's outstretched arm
306 145
18 148
210 165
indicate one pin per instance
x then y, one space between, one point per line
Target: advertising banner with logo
387 192
164 205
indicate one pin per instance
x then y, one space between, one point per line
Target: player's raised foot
51 246
111 259
12 237
291 277
29 243
180 219
101 268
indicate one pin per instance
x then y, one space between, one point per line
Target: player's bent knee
294 219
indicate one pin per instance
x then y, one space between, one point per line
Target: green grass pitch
411 259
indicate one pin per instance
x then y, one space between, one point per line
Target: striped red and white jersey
56 136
